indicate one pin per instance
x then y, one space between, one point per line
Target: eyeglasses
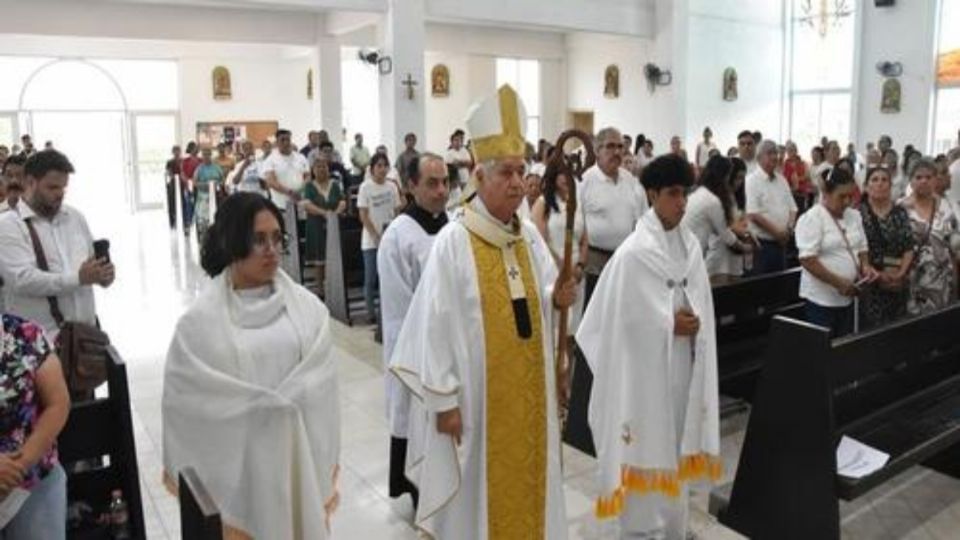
277 242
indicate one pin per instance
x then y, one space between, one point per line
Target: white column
404 35
329 90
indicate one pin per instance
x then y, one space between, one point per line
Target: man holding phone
64 237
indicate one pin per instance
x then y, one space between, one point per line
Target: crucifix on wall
409 83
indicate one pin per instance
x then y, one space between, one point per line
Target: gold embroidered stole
516 428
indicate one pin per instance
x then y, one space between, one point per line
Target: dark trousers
188 202
771 257
172 204
838 319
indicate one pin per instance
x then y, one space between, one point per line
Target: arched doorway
80 109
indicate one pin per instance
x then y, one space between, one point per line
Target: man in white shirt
458 157
612 201
285 171
704 148
67 245
771 210
359 157
747 150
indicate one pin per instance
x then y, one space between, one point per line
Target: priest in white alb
476 351
401 259
648 336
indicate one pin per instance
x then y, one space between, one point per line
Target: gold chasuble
516 406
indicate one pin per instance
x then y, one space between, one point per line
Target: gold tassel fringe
667 483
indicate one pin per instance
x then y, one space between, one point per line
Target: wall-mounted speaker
884 3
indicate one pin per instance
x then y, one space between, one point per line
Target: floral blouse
23 349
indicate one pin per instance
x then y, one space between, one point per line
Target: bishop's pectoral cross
409 83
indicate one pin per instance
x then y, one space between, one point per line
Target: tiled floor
158 277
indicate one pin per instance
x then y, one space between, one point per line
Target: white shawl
267 456
627 338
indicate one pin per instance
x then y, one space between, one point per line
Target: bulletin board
213 133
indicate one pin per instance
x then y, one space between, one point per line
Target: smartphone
101 249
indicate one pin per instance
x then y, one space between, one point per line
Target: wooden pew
743 309
343 290
199 516
896 389
98 428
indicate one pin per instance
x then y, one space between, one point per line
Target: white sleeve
363 195
809 235
19 265
718 222
754 205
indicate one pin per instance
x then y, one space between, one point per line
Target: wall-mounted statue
611 82
890 102
440 81
310 83
221 83
730 84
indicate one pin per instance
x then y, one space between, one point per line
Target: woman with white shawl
250 392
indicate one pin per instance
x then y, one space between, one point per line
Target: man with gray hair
771 210
612 201
401 259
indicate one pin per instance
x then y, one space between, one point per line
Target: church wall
470 53
635 110
903 33
471 77
262 90
750 40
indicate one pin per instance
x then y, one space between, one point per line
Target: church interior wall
262 90
749 40
634 111
903 33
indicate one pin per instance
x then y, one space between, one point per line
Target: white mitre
496 125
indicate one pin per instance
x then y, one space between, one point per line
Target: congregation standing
462 254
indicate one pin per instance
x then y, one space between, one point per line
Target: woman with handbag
891 243
33 411
833 253
933 280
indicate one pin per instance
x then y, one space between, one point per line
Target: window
524 77
946 123
822 42
360 86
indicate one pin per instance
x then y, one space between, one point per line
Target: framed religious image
310 83
611 82
222 89
730 84
890 102
440 81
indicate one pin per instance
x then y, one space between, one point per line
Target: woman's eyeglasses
263 243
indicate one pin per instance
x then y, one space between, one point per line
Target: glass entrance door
8 129
154 134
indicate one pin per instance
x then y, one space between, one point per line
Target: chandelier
824 15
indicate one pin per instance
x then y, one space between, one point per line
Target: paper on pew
856 460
